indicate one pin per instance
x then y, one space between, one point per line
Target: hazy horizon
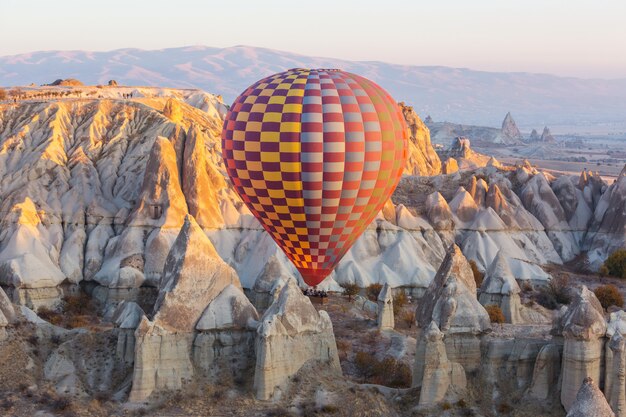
574 38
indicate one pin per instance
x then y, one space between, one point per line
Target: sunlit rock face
97 190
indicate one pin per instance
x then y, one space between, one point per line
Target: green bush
609 295
615 265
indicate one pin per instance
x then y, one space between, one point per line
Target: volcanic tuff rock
615 380
421 157
582 325
292 333
450 302
194 275
436 374
534 136
385 319
499 287
590 402
546 136
510 132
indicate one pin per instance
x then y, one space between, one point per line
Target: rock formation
450 302
437 374
199 187
582 326
449 166
546 372
606 233
226 335
590 402
126 318
615 381
422 159
193 276
499 287
546 136
510 132
534 136
291 333
385 319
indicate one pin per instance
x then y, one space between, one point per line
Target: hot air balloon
314 154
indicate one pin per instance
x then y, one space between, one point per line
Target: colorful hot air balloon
314 154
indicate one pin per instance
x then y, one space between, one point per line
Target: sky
579 38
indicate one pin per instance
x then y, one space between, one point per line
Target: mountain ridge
456 94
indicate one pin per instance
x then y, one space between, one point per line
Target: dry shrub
609 295
343 346
350 290
79 304
446 405
389 371
408 317
555 293
49 315
495 313
373 290
399 301
504 408
478 276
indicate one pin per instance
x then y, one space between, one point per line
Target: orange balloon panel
314 154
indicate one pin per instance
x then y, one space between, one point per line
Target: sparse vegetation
504 408
373 290
400 300
446 406
609 295
615 264
389 371
408 317
478 276
495 313
555 293
350 290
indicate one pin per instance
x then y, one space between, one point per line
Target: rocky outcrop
546 372
499 287
436 374
546 136
126 319
510 132
291 333
582 326
449 166
606 233
200 188
534 136
590 402
193 276
450 302
385 319
615 381
421 158
226 335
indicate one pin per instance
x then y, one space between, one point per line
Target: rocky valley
136 282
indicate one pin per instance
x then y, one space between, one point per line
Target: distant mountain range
453 94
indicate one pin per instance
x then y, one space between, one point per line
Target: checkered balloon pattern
314 154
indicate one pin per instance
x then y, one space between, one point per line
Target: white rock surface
499 287
385 319
582 325
291 333
590 402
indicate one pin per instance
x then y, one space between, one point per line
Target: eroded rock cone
291 333
590 402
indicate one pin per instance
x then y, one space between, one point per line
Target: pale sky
565 37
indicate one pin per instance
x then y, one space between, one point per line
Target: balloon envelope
314 154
